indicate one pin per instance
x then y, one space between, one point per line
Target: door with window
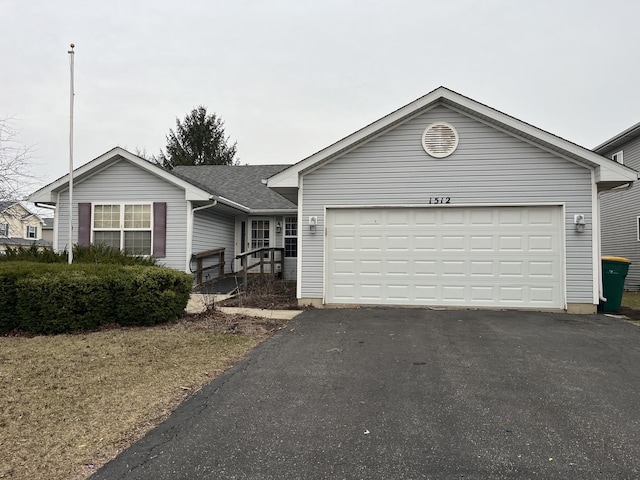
260 236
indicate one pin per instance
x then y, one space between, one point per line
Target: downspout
600 285
190 223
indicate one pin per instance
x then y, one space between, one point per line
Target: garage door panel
344 291
370 243
425 268
483 294
345 243
371 291
453 293
542 294
541 217
484 256
481 218
424 243
453 268
398 292
426 293
511 217
453 243
370 267
398 243
544 270
541 243
482 268
510 243
481 243
453 217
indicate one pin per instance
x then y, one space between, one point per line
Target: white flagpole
70 244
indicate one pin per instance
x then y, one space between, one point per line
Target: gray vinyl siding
619 213
212 230
489 167
290 264
124 182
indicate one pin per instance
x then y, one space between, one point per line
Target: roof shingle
240 183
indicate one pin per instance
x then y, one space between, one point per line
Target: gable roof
241 183
26 213
619 140
607 171
48 193
239 187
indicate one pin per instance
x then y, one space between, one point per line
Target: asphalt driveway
412 394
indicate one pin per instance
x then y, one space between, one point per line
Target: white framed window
618 157
124 226
4 229
260 233
32 231
638 228
290 237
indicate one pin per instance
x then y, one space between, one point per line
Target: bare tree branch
15 174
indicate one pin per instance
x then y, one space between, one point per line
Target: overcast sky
290 77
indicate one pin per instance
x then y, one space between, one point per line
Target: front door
260 236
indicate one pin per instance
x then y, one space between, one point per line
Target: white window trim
30 227
618 157
4 229
638 228
285 236
249 233
122 228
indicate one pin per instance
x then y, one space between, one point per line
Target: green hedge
56 298
81 254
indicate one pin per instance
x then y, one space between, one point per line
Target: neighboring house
621 207
124 201
447 201
19 227
47 229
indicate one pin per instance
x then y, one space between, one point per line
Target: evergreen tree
198 140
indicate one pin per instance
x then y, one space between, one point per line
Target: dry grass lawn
69 403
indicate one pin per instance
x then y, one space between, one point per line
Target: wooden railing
261 260
200 258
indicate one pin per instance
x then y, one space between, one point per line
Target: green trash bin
614 271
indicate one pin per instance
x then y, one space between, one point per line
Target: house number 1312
439 200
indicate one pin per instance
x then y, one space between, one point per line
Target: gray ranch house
443 202
621 207
447 201
127 202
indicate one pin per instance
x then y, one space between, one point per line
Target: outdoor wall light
313 221
278 227
579 222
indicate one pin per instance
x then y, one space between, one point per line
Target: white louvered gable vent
440 139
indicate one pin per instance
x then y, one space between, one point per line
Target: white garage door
454 256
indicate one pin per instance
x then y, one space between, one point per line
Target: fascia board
619 139
47 194
607 174
588 156
278 211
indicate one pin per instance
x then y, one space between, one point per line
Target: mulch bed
214 321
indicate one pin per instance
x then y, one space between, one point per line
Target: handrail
208 253
200 256
261 261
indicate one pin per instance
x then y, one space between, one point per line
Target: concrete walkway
199 302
